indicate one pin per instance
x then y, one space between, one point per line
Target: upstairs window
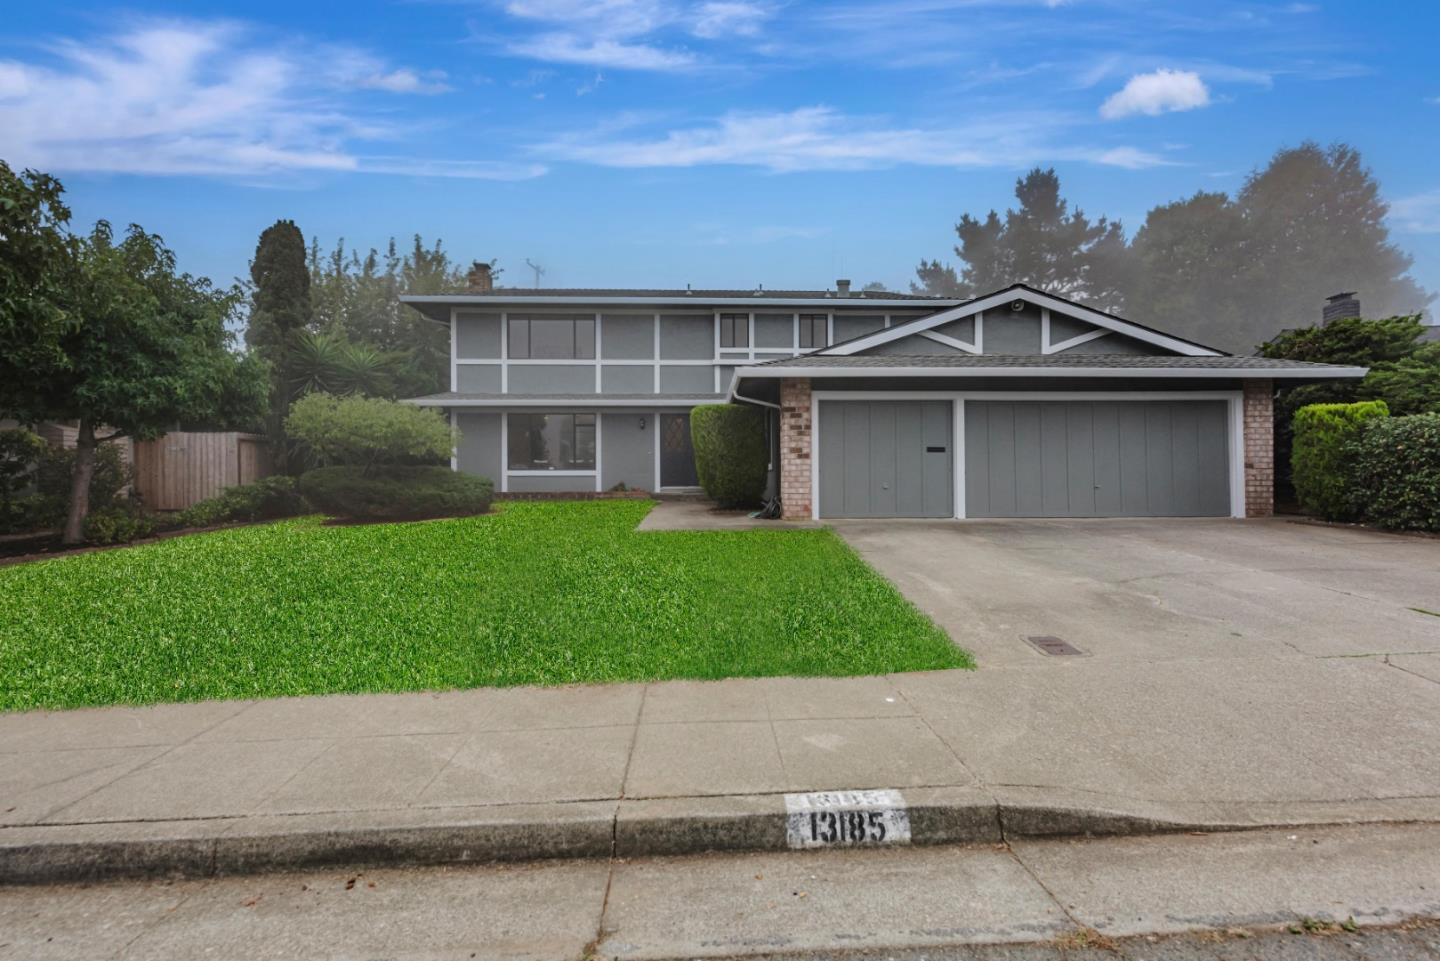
552 338
734 330
814 330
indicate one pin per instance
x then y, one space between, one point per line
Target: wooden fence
185 467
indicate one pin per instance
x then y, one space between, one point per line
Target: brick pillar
1259 417
795 447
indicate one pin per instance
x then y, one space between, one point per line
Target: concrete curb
46 854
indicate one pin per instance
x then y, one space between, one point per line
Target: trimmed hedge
396 493
1397 466
1322 457
731 453
266 499
118 524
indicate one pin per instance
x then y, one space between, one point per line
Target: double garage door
1025 458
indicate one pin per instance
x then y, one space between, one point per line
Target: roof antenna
538 271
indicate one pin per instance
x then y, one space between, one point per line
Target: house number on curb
846 819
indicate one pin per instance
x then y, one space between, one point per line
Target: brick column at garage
795 448
1259 448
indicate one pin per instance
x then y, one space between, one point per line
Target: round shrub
1322 457
266 499
1397 465
369 430
395 493
732 455
117 524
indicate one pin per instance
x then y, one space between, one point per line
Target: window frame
734 324
581 423
807 323
581 348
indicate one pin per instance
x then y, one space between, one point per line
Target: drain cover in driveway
1053 646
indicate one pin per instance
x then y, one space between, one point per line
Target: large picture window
734 330
813 329
551 441
552 338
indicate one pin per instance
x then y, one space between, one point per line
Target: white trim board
1235 448
1043 301
1057 372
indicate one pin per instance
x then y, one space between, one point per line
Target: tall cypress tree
279 310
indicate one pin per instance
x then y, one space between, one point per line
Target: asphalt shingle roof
1045 361
711 294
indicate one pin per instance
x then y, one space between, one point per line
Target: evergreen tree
279 310
1042 243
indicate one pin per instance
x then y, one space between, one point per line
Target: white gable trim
1049 347
1043 301
949 341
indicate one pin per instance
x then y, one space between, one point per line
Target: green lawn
537 593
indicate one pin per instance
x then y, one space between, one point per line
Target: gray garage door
1096 459
885 459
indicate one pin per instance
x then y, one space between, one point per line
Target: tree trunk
80 484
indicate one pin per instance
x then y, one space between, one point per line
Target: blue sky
713 142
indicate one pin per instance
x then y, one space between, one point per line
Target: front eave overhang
597 400
1047 372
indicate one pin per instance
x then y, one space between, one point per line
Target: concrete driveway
1153 590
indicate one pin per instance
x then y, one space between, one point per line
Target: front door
677 452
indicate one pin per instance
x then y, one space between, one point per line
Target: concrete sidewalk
1043 748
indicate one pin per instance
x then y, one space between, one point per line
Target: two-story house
1015 404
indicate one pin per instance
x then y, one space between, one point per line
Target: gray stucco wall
477 335
478 378
1012 332
689 379
687 338
627 337
853 325
627 450
774 330
535 483
479 449
627 379
552 379
914 345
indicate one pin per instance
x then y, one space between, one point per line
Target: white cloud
206 98
623 34
1417 214
600 52
1162 91
405 80
819 138
721 19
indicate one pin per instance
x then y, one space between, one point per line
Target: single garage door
1096 459
886 459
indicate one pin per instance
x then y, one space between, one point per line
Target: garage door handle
934 450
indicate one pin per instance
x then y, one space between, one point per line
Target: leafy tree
1315 224
1186 270
144 349
36 266
358 298
1042 242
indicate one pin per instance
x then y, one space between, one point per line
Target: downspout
771 506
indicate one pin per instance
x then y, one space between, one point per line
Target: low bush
369 431
396 493
1323 455
118 523
266 499
1397 467
731 453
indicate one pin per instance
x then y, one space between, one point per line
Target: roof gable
1099 324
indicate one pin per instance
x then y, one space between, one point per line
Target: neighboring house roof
451 398
1012 365
582 293
1047 301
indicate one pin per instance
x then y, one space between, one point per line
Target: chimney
1340 305
479 280
842 288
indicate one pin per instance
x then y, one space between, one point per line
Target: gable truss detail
1047 346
